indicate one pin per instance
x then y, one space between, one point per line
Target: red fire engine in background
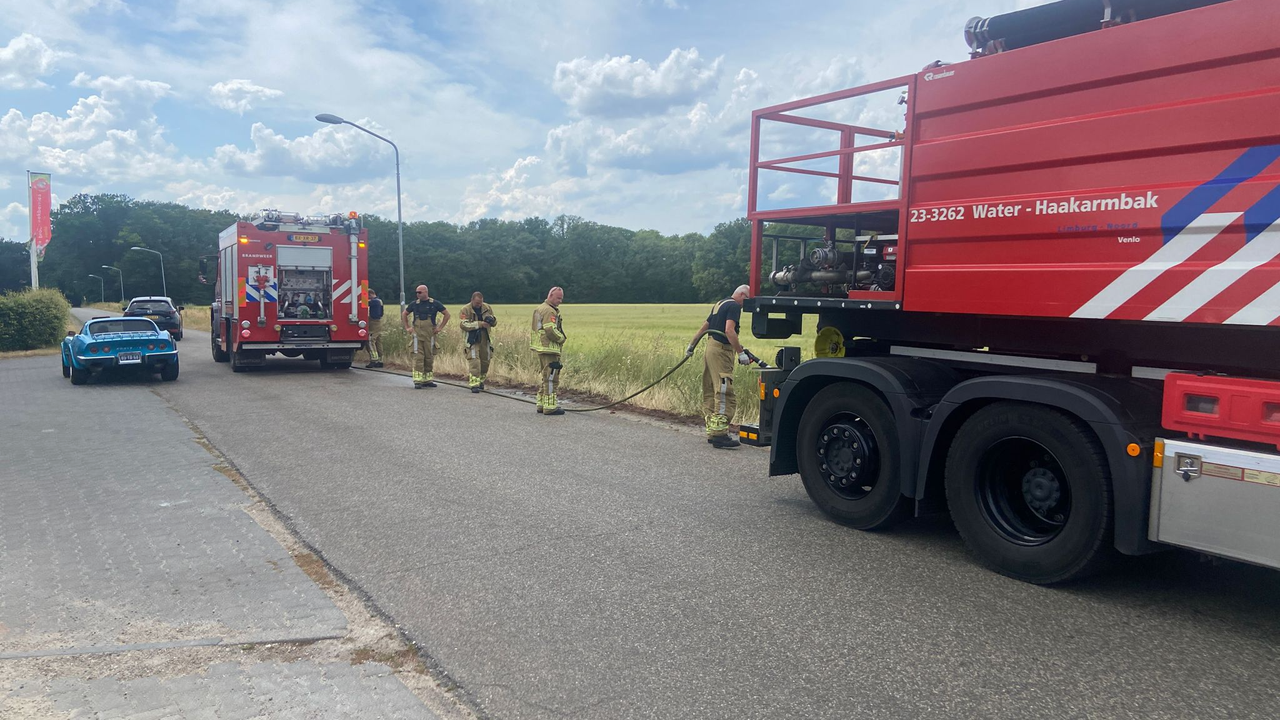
1049 301
293 285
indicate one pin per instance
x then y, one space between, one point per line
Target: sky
627 112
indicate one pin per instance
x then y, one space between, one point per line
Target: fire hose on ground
750 356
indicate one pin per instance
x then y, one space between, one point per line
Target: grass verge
612 351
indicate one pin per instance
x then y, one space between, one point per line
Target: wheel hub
1023 491
1041 489
848 455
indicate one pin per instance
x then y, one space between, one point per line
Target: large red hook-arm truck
1046 286
290 284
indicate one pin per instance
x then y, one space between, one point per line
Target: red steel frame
844 206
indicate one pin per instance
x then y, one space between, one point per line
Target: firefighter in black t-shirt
423 330
718 401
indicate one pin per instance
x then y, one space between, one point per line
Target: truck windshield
121 326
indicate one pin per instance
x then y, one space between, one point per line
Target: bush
32 319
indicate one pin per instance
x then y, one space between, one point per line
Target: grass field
612 351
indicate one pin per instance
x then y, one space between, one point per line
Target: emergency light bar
271 219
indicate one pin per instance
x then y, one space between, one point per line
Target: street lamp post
163 283
102 285
335 120
113 267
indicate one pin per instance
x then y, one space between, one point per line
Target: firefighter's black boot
724 442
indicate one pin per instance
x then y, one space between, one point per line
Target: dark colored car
160 310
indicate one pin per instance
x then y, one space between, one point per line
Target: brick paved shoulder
116 530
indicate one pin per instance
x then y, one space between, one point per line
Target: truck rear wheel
847 450
1030 492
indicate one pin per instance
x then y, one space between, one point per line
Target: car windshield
150 307
105 327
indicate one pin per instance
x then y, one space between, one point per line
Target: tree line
510 261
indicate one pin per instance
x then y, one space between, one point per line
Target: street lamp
163 283
113 267
335 120
101 286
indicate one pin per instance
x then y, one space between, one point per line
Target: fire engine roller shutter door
311 258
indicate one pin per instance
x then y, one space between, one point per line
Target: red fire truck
1046 287
293 285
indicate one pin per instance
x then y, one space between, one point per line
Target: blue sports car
118 342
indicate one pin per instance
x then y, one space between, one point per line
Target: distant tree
510 261
723 261
15 265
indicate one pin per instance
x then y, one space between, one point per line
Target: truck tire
847 449
1030 492
219 355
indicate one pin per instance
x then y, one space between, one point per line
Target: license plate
156 317
129 358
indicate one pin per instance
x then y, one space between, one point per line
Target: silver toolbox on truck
1218 500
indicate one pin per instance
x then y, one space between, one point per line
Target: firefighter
547 339
424 330
476 319
375 330
718 401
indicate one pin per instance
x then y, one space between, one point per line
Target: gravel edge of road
373 632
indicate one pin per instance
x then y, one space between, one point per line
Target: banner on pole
41 193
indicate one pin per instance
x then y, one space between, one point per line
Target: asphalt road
604 566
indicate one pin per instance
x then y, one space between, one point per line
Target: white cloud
208 196
76 7
677 141
13 222
239 95
513 194
622 87
24 61
113 135
328 155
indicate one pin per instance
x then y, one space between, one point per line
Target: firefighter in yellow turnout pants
375 330
475 320
424 329
718 401
546 337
